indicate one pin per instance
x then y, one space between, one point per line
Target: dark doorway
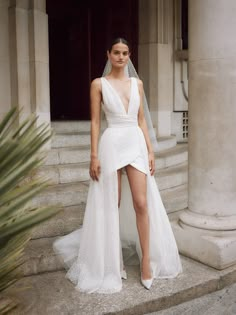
79 33
184 23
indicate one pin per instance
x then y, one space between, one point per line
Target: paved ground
221 302
52 294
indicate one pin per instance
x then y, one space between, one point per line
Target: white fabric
92 254
131 72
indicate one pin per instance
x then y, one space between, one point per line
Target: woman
122 168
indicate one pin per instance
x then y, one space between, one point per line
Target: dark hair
116 41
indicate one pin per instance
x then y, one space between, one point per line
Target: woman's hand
95 169
151 158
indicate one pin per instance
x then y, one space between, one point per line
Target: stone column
156 60
39 60
207 230
24 58
5 78
19 56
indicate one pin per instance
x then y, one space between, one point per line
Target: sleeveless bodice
113 106
92 254
123 132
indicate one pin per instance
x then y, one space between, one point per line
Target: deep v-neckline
118 95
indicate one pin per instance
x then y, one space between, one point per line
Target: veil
131 72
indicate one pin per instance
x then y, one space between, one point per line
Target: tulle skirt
92 254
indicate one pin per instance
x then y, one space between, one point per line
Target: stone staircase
67 167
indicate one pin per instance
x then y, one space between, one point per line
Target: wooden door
79 34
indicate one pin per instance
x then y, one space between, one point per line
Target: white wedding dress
92 254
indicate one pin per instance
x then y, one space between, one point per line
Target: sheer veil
131 72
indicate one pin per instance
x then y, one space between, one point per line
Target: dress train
92 254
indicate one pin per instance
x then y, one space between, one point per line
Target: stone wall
24 61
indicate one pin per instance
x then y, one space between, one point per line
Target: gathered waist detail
121 121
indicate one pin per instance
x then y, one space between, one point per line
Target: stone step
62 195
63 140
165 143
175 199
69 194
73 172
39 255
172 176
222 302
73 126
72 155
196 281
64 222
67 173
71 217
68 155
172 156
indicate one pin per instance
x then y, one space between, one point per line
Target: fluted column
156 60
39 60
19 56
5 77
207 230
25 34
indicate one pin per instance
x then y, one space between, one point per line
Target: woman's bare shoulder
96 84
140 84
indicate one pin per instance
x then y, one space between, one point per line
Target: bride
124 207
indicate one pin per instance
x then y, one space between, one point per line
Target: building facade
50 51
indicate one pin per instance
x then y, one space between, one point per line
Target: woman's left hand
151 158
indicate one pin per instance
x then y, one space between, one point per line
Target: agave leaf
27 127
24 151
11 180
30 134
15 193
6 305
8 281
11 269
19 196
13 148
8 117
20 128
8 170
11 257
13 244
27 220
11 127
20 156
15 127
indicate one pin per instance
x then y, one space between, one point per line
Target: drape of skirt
92 254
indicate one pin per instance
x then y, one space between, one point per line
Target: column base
215 251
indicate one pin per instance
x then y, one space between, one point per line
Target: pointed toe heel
147 283
123 274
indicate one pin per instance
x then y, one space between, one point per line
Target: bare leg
119 186
122 267
138 186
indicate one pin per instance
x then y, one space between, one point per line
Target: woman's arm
143 125
95 109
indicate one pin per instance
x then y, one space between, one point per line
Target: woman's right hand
95 169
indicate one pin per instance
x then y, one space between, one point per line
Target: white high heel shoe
123 274
147 283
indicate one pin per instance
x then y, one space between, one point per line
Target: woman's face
119 55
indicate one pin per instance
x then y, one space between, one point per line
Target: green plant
20 156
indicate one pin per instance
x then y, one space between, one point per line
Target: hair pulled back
117 41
